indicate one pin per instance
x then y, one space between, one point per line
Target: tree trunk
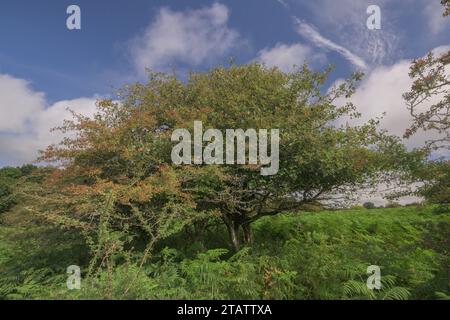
248 234
233 231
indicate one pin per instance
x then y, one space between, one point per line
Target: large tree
118 164
429 104
429 98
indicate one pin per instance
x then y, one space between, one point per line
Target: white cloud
307 31
26 119
191 37
18 103
286 56
381 92
441 50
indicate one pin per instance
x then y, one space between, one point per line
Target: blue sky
44 67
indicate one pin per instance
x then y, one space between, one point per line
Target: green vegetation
296 256
119 175
9 177
141 227
369 205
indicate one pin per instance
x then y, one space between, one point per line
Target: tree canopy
117 167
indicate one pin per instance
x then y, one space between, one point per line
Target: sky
46 68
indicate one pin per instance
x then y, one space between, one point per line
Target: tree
431 77
436 188
121 159
446 4
429 104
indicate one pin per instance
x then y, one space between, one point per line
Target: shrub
312 207
393 204
437 187
369 205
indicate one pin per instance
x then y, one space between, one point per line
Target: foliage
34 259
431 83
429 104
141 227
122 155
9 176
435 178
359 290
369 205
446 4
309 256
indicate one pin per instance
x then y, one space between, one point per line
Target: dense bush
310 256
9 176
369 205
438 190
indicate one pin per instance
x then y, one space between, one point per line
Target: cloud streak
309 32
283 3
345 23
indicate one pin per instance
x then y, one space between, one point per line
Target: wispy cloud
345 23
309 32
283 3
